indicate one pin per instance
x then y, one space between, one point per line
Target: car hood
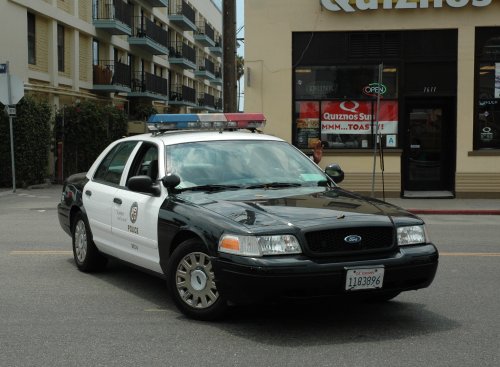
301 207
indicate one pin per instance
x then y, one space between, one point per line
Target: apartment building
416 79
131 53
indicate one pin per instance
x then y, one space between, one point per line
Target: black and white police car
229 216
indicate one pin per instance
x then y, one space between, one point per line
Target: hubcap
80 241
194 279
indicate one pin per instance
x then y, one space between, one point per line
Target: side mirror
143 183
171 180
335 173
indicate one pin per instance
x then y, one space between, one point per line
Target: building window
339 106
31 39
60 47
95 52
487 117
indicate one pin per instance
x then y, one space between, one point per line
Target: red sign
357 117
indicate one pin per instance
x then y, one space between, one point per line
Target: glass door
429 151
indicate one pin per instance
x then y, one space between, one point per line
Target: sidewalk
416 206
449 206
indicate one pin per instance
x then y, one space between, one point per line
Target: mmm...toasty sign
353 5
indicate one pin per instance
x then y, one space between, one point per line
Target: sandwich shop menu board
307 124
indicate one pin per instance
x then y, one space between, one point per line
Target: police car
228 216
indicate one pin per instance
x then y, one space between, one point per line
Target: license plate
364 278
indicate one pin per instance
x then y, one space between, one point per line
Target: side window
111 168
146 162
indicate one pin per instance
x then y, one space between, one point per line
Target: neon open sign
374 89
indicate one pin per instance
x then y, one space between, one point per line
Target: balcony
149 36
206 70
181 95
182 15
216 49
206 102
182 55
149 86
157 3
205 34
217 80
111 76
113 16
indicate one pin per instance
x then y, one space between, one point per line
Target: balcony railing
144 82
217 47
182 50
111 73
206 100
113 10
181 7
182 93
205 34
182 15
144 27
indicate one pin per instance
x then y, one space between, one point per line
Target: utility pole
229 55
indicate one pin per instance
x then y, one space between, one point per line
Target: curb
455 211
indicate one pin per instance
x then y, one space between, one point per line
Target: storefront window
339 106
487 122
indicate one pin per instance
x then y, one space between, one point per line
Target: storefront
411 88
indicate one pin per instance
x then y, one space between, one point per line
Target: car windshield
241 164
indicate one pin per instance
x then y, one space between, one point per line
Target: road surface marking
156 310
41 252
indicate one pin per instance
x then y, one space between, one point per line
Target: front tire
190 279
85 253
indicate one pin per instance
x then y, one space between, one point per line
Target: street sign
16 89
3 68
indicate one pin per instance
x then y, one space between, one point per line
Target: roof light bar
206 121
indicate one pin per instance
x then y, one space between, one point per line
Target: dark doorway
429 152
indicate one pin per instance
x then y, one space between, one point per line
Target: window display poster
307 123
357 117
497 80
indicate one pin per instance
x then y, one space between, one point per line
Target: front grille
332 241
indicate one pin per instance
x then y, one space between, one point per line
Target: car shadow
146 286
295 323
334 322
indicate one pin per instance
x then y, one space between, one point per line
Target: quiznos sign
354 5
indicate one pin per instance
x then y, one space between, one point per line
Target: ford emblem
353 239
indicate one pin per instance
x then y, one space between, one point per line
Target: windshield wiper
273 185
210 188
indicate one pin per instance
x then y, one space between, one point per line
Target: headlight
412 235
259 245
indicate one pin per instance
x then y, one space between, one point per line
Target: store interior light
390 70
488 67
303 71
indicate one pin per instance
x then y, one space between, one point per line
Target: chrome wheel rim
194 279
80 241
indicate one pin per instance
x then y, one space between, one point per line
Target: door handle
117 201
88 192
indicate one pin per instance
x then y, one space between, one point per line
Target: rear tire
190 280
87 257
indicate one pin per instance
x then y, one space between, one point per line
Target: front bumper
242 279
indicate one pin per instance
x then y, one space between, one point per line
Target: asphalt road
53 315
